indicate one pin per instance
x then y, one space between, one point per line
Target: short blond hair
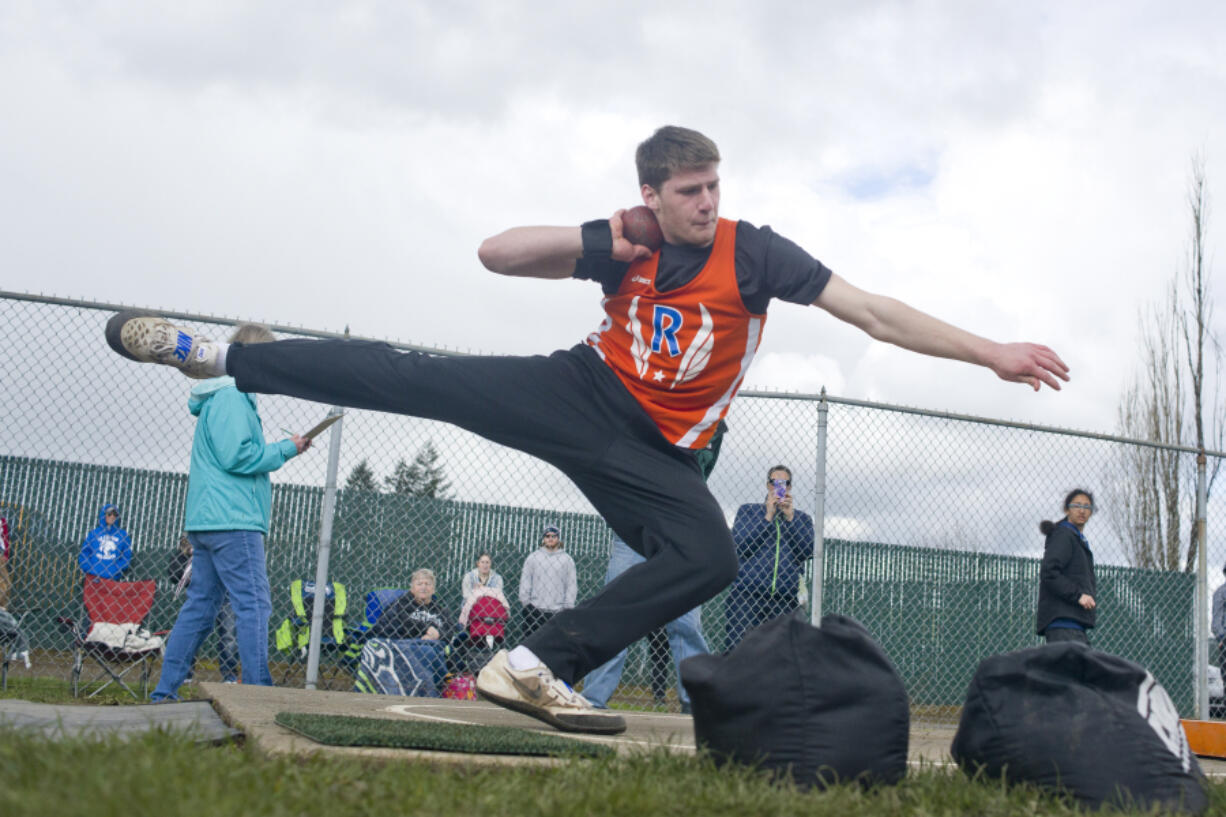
252 333
424 572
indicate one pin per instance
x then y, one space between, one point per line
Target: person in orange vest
623 413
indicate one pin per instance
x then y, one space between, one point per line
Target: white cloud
794 372
340 165
848 527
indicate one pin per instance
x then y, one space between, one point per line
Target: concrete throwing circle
644 730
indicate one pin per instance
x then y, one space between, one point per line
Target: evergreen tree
362 478
404 479
425 477
432 481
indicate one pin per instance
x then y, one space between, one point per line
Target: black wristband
597 238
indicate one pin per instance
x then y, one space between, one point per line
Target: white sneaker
537 693
151 339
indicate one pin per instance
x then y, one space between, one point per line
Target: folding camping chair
115 641
292 637
376 602
14 646
407 666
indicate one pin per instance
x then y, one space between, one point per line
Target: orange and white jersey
681 353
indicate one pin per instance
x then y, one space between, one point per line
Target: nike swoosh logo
534 693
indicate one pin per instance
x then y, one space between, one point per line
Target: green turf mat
344 730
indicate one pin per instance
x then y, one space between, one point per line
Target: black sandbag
825 704
1065 716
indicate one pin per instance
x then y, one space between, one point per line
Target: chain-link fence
930 524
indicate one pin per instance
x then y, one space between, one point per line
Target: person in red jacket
6 553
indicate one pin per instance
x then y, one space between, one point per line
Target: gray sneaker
152 339
536 692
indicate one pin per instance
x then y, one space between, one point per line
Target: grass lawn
59 691
167 774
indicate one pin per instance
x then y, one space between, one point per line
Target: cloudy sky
1019 169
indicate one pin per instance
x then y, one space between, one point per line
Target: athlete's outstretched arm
549 252
533 252
892 321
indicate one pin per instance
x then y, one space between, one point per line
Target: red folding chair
115 641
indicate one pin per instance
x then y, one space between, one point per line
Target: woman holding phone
773 541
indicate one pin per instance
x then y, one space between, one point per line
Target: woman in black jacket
1066 578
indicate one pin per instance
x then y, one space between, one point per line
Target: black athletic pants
531 620
570 413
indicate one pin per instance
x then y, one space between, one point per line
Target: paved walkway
74 720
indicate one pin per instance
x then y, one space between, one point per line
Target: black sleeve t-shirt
767 266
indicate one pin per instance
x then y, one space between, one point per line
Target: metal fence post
325 548
1202 596
819 515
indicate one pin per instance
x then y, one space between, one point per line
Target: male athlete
623 413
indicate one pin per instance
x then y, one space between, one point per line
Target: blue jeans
223 562
1054 635
684 638
227 642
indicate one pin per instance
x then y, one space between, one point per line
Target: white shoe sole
128 334
497 686
593 724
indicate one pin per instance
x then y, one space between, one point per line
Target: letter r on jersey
665 324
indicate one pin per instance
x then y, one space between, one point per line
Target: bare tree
1152 490
1144 495
1197 334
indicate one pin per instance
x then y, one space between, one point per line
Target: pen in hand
301 443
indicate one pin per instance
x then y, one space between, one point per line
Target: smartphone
781 488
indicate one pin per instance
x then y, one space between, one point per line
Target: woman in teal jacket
229 499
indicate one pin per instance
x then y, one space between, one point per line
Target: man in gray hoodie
549 582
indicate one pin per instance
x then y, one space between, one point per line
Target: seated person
405 651
107 549
483 575
416 614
